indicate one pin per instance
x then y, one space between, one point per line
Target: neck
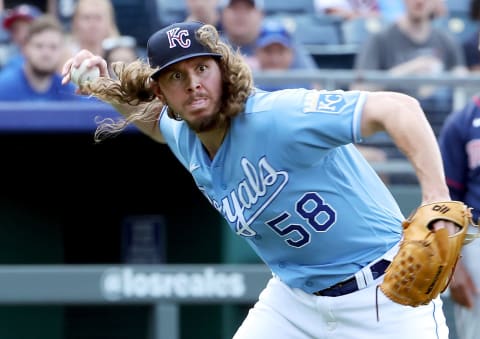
39 82
213 139
417 29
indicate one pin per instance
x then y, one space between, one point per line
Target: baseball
80 74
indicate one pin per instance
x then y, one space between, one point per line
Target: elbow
387 109
403 105
403 101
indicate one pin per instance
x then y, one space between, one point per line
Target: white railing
165 287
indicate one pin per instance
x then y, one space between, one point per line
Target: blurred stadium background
73 212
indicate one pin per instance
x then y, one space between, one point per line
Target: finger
66 78
96 61
66 67
99 62
450 226
81 56
439 224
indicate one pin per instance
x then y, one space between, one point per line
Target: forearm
417 141
414 136
403 119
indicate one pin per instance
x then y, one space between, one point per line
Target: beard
42 72
206 124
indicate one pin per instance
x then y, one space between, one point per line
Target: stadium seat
458 6
356 31
460 25
318 30
288 7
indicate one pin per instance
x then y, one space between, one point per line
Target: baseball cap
174 43
23 11
274 32
255 3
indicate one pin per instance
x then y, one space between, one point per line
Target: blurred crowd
398 37
402 37
37 40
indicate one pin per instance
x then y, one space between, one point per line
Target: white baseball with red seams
82 73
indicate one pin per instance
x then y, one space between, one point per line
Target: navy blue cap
174 43
274 31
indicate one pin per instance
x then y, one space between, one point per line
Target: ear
157 91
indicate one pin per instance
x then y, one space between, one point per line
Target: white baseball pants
285 313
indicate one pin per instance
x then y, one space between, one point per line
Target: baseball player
460 146
282 168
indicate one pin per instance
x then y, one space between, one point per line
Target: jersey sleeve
307 124
323 119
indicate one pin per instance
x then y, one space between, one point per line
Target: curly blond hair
133 86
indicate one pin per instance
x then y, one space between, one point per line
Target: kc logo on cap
176 35
161 46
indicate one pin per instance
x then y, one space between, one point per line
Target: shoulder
471 110
283 100
472 40
445 36
12 72
13 79
300 101
387 32
388 35
465 116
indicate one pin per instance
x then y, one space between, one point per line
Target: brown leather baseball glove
426 258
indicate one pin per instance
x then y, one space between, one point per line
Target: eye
176 76
202 68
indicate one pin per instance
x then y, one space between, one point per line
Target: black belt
350 285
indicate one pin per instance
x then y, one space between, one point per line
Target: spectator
470 46
242 22
348 9
392 10
93 21
16 22
205 11
45 6
37 79
122 48
414 46
275 51
460 147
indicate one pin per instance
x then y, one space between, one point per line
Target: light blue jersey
289 180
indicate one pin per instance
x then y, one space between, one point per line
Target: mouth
199 102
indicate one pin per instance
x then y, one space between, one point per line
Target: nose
193 83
